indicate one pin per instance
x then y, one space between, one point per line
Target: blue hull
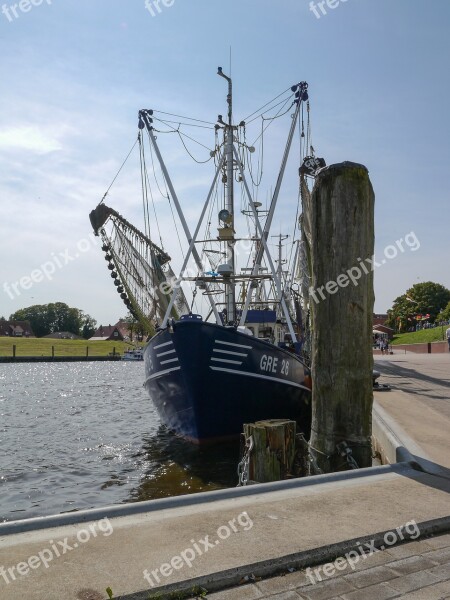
206 381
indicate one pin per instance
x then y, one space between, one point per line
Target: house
63 335
130 331
17 329
124 328
107 334
379 319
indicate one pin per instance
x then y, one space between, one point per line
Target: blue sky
74 73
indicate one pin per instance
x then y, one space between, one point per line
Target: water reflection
75 436
173 467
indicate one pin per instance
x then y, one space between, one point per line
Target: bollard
273 449
339 231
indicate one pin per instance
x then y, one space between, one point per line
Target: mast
230 299
281 239
301 94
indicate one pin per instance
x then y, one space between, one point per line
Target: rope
271 121
267 103
260 159
184 134
200 162
118 172
278 116
181 117
186 124
147 183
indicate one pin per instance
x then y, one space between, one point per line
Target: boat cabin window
265 332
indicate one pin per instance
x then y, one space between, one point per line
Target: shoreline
45 359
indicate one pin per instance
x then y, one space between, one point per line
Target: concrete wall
425 348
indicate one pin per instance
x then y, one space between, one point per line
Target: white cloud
30 138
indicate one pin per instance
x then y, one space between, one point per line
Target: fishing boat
243 358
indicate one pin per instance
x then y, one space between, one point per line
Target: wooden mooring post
339 230
272 449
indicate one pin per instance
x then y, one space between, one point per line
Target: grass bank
437 334
43 347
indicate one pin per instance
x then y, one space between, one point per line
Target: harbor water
75 436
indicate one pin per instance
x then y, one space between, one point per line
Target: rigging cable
267 103
200 162
284 101
144 187
184 134
271 120
118 172
166 195
185 124
260 160
151 193
181 117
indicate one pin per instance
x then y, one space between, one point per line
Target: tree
421 299
444 315
89 325
402 314
132 324
135 327
58 316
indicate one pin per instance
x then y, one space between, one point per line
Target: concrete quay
259 541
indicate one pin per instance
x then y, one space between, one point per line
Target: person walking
447 333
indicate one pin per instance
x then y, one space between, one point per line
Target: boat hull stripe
225 360
258 376
161 373
162 345
171 360
235 345
230 352
164 353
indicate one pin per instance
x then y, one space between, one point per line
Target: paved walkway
418 570
420 399
425 376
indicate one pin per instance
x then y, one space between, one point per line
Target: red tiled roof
107 332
